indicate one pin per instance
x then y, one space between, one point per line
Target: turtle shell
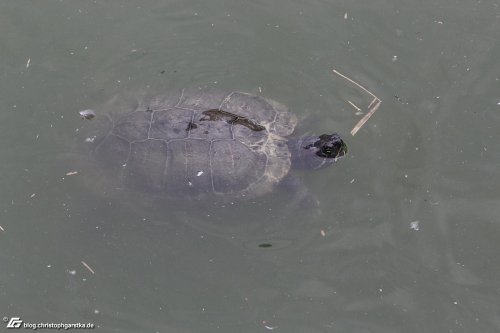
194 144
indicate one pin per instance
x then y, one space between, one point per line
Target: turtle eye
326 151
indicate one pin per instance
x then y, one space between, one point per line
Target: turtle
232 144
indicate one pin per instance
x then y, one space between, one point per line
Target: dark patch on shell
231 118
191 126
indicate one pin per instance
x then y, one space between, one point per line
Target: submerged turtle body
233 144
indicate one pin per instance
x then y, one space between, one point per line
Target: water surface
427 156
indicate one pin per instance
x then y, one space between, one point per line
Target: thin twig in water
354 82
354 105
373 102
372 107
363 120
87 267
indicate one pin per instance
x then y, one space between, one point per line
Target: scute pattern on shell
167 145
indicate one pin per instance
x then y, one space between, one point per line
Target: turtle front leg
301 199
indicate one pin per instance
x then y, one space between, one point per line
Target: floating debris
269 327
33 195
372 107
1 228
71 173
138 51
87 267
87 114
354 105
415 225
90 139
363 120
323 233
199 173
28 63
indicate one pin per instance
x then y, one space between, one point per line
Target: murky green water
427 156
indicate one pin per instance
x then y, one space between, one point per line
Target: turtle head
317 151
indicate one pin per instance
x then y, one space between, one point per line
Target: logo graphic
14 322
